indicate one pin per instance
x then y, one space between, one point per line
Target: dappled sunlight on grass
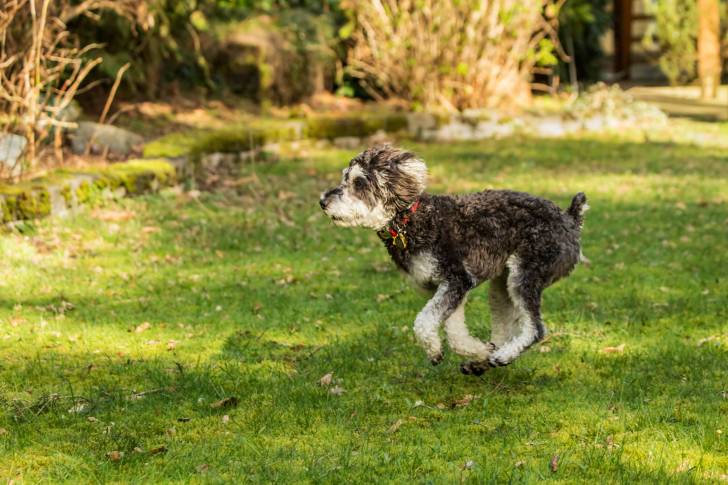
121 335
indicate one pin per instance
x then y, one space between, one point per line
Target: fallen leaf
519 463
613 350
336 390
228 402
194 194
554 463
143 327
150 229
112 215
240 182
203 468
225 419
326 379
705 340
3 431
171 345
285 195
114 455
441 405
466 399
157 450
468 465
395 426
138 450
78 408
683 467
544 348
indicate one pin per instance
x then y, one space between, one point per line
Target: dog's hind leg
524 290
460 340
504 321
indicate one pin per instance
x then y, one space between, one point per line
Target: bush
581 26
42 65
282 59
675 35
451 55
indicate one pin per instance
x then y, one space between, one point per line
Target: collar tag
395 231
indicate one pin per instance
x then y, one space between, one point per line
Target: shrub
581 26
675 35
282 59
42 64
452 55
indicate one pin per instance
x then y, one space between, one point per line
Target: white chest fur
422 269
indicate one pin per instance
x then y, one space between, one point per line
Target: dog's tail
577 208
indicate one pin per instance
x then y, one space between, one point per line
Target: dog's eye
360 183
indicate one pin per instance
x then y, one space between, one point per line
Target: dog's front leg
447 298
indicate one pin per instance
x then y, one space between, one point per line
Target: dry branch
43 67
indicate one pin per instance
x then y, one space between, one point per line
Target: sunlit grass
255 295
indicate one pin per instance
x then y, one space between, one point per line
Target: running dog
451 244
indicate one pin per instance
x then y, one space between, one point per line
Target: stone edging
64 190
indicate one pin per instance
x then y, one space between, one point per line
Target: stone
71 113
347 142
493 129
549 127
11 148
420 123
118 142
455 131
378 138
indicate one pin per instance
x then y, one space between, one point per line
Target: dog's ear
411 178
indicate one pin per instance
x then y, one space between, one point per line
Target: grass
122 329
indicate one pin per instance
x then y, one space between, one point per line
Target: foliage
675 35
451 55
581 26
183 44
167 51
121 327
281 59
42 65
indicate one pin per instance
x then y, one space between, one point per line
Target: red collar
395 230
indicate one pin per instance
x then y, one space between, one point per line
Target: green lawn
121 330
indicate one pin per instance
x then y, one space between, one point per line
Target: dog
451 244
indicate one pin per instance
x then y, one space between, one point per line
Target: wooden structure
625 19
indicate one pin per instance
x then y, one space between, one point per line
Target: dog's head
377 184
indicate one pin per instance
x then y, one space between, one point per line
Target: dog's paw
495 361
437 359
474 368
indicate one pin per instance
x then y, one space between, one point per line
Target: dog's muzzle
326 197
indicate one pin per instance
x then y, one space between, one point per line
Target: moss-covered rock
84 192
33 199
173 145
228 141
25 201
360 125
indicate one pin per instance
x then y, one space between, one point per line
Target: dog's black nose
322 203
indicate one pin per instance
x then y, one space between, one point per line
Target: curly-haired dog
451 244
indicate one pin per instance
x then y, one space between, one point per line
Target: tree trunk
709 47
